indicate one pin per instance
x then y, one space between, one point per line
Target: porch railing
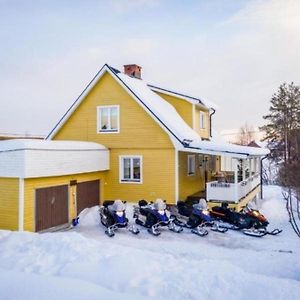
232 192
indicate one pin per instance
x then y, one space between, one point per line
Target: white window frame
99 129
121 169
202 120
191 168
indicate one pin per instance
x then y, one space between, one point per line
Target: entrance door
88 194
51 207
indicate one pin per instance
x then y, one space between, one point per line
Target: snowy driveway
85 264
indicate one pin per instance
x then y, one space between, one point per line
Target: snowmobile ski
255 232
199 230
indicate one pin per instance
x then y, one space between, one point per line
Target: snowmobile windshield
118 206
159 204
120 213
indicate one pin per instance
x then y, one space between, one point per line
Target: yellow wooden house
160 142
123 138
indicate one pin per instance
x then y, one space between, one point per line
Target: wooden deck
236 206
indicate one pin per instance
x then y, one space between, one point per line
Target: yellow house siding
203 132
158 176
183 107
189 185
9 203
31 184
137 127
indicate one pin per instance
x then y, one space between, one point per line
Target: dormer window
108 119
202 120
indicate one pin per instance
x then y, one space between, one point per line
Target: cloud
237 63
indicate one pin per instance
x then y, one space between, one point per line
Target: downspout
210 115
261 181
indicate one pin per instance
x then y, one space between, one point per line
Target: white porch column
235 168
243 170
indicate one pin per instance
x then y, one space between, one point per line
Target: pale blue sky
232 52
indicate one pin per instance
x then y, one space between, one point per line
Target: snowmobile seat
191 201
184 209
143 203
106 203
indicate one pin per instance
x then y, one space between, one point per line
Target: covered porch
237 183
219 178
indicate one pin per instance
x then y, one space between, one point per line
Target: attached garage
44 184
51 207
88 194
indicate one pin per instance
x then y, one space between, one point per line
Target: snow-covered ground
84 263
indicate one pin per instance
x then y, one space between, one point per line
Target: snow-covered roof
33 144
26 158
191 99
178 129
183 137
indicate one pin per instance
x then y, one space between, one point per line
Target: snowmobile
113 217
195 216
250 221
153 216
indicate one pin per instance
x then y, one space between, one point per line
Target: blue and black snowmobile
195 216
154 216
113 217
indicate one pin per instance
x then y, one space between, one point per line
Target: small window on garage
191 165
131 169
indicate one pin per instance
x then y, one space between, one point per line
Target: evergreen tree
283 136
284 118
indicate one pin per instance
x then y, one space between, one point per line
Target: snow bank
32 286
84 263
89 217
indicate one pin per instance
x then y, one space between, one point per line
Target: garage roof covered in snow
27 158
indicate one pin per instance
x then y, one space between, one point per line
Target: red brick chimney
133 71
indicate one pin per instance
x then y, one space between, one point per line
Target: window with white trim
108 119
202 120
191 165
131 169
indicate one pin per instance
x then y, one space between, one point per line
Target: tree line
283 139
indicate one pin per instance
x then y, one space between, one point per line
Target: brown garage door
51 208
87 194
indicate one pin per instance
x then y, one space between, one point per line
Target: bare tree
246 134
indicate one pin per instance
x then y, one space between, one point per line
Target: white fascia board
210 152
78 101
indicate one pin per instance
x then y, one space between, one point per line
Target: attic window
108 119
202 120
